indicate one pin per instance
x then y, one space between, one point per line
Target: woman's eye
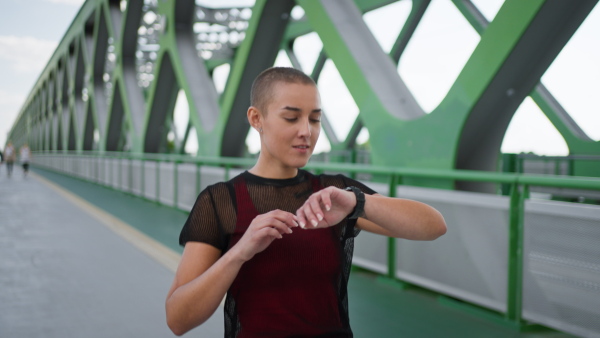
291 119
315 120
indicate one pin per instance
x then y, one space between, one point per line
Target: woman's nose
305 130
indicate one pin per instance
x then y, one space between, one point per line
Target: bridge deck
64 273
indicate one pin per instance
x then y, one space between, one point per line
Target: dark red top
297 287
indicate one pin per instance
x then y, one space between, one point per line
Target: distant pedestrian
25 157
10 156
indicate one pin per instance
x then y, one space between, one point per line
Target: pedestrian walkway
81 260
64 273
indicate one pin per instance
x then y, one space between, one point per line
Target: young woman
278 240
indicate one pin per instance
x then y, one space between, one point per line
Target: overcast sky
30 30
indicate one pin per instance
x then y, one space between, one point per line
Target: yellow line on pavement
143 242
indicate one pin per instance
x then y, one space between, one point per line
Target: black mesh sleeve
342 182
354 183
203 223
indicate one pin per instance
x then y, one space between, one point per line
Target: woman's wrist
236 255
359 208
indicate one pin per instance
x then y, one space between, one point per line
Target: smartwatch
359 209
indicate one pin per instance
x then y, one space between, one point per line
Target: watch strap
360 202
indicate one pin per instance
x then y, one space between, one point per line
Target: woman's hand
326 208
263 230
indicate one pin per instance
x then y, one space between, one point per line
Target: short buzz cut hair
262 87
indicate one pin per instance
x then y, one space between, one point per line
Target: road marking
156 250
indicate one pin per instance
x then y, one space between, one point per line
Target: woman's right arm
200 283
204 276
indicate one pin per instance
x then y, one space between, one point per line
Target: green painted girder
71 123
544 37
101 32
513 53
257 52
76 97
86 116
353 65
181 147
302 27
350 141
472 14
62 120
53 110
319 64
576 139
414 17
177 62
126 108
65 107
367 71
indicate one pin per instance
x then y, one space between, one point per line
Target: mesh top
298 285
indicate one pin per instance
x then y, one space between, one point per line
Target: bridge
143 104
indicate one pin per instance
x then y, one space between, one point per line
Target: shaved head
261 93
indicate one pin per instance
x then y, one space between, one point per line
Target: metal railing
519 186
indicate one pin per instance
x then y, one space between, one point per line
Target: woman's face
291 125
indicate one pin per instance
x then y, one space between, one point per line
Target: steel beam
546 34
257 52
464 131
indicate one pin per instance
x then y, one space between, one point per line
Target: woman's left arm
401 218
393 217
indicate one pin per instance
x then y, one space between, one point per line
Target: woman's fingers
273 223
264 229
287 218
316 207
301 217
270 232
280 226
312 212
277 219
326 199
318 210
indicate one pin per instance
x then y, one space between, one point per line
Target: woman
277 239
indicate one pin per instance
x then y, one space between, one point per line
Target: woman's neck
266 170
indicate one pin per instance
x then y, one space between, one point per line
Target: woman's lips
301 148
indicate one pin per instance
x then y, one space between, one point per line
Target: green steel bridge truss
112 83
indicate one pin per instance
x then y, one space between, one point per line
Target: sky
434 57
29 32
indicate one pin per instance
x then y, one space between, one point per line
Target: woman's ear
254 118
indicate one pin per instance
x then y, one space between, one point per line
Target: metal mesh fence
561 274
470 261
